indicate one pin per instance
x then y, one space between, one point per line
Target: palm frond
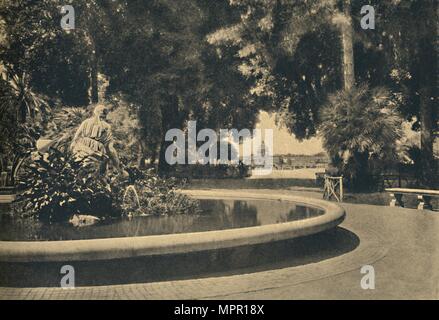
361 120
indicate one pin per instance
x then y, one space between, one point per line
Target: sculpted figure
93 141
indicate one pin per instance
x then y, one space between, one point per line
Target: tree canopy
221 62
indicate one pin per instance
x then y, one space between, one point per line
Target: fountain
134 191
226 232
146 243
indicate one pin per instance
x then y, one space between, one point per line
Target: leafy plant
19 98
57 186
22 113
63 125
358 125
152 195
126 129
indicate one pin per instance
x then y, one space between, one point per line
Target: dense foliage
23 112
148 194
154 53
56 187
291 52
217 62
357 126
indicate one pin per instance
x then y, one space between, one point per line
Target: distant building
291 161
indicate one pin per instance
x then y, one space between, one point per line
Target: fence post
341 189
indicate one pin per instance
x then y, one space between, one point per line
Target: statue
93 142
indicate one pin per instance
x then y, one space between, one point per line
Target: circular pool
229 219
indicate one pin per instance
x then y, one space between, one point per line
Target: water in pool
215 215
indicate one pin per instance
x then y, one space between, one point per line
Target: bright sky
284 142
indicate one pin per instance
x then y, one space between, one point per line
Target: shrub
56 187
152 195
357 126
22 114
63 124
209 171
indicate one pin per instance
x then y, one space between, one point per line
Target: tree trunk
172 118
426 117
362 179
427 83
427 138
94 90
348 47
142 155
163 166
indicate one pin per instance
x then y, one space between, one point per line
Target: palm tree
356 125
21 108
344 21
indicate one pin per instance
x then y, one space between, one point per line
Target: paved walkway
401 244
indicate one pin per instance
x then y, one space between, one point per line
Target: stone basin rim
167 244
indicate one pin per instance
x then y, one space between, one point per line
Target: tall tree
55 61
170 73
409 41
345 22
290 50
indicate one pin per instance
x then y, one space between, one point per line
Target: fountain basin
183 243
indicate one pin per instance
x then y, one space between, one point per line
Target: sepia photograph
221 150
